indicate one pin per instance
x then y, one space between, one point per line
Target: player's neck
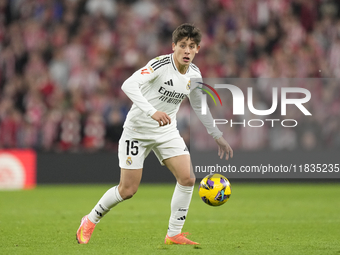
181 68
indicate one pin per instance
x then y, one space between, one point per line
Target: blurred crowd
62 63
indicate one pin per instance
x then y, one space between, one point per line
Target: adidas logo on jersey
169 83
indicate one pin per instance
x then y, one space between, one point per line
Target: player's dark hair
187 30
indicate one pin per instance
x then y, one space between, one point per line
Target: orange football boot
85 230
179 239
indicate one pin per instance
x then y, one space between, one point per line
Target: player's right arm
162 118
144 77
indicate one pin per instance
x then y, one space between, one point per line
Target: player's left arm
207 120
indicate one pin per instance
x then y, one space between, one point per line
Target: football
214 189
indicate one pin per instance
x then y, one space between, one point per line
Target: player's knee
127 193
190 181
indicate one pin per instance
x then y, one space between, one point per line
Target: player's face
184 52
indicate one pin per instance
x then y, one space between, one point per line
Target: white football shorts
134 147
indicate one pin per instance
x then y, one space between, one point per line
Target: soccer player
156 91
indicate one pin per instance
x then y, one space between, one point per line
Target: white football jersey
159 86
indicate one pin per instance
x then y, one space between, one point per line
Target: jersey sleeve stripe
162 64
157 62
153 65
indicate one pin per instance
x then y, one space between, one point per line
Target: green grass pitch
258 219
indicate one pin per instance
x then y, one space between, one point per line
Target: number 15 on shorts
131 147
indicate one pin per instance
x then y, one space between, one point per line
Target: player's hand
162 118
224 147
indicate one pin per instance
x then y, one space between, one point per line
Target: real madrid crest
129 161
188 85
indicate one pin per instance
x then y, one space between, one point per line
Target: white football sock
110 199
179 208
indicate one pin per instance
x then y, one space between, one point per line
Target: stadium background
62 64
61 67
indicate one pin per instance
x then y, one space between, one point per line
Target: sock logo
101 207
182 210
181 218
100 214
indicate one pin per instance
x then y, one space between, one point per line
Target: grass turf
258 219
